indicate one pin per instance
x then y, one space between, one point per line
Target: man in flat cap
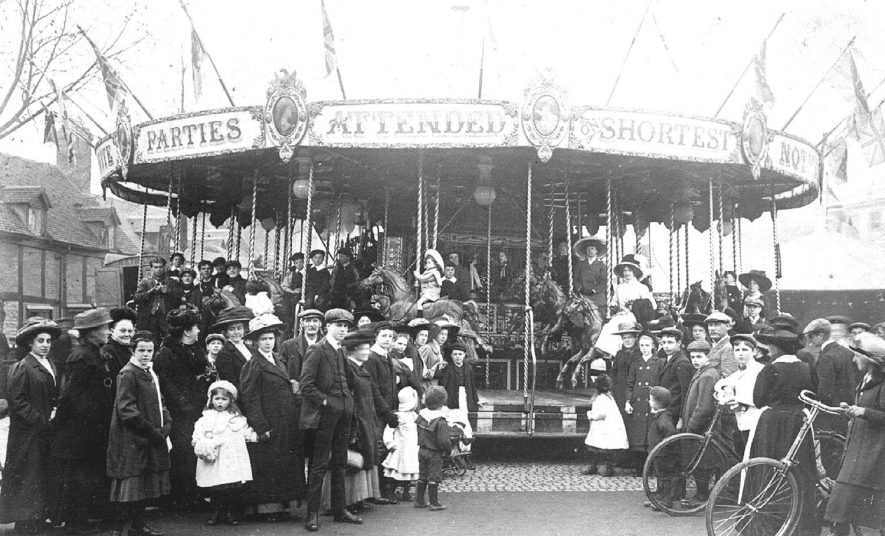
326 411
836 374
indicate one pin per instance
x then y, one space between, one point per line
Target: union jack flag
329 39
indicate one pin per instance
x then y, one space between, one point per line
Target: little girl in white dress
401 463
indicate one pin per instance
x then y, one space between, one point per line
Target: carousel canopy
368 150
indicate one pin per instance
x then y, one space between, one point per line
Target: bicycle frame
710 436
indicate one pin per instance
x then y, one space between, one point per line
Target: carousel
500 182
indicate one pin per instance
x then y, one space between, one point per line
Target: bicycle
762 495
679 459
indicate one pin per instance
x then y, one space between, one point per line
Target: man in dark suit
327 410
677 370
316 281
836 378
293 352
590 274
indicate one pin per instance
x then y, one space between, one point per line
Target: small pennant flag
197 56
763 90
49 134
329 42
114 86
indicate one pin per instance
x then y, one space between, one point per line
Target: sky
687 55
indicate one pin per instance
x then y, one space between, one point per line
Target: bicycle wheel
828 449
679 472
757 497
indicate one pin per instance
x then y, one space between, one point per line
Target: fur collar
431 414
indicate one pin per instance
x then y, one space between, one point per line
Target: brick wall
74 279
8 267
32 262
53 265
92 264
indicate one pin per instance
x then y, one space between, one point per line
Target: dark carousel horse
578 316
395 301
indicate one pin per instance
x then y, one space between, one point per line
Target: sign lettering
410 124
199 134
653 134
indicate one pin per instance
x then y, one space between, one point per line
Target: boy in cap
219 274
292 282
235 282
660 427
698 411
316 281
433 444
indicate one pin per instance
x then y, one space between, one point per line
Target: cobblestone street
538 476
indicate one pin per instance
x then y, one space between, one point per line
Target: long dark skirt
183 463
27 478
275 472
850 503
82 490
775 433
147 485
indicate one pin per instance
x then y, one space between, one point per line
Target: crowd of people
659 385
160 404
155 406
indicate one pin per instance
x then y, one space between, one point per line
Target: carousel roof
374 151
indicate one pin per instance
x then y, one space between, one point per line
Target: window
875 220
36 216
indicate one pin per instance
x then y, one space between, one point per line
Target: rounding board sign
199 134
439 123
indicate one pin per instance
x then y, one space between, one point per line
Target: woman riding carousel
757 284
632 301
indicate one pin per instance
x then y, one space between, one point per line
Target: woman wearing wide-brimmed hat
632 301
268 400
757 284
118 349
33 392
858 497
180 363
777 387
232 323
83 421
590 275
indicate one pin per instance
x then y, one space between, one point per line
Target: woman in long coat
778 386
138 443
118 350
33 392
369 407
859 495
269 400
82 424
181 367
232 323
643 375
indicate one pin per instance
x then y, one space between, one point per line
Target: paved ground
468 514
537 477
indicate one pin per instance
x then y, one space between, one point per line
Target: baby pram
455 464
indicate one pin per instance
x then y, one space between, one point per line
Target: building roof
69 206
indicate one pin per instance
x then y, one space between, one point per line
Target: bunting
198 53
763 91
329 42
114 86
864 125
49 134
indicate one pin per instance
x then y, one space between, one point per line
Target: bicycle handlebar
808 397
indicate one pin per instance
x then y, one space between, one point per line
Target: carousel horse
283 302
394 295
214 304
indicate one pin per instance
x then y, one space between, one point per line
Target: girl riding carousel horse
430 279
633 300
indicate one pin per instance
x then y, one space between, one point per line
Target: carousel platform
556 414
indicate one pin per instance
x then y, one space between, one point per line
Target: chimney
77 162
